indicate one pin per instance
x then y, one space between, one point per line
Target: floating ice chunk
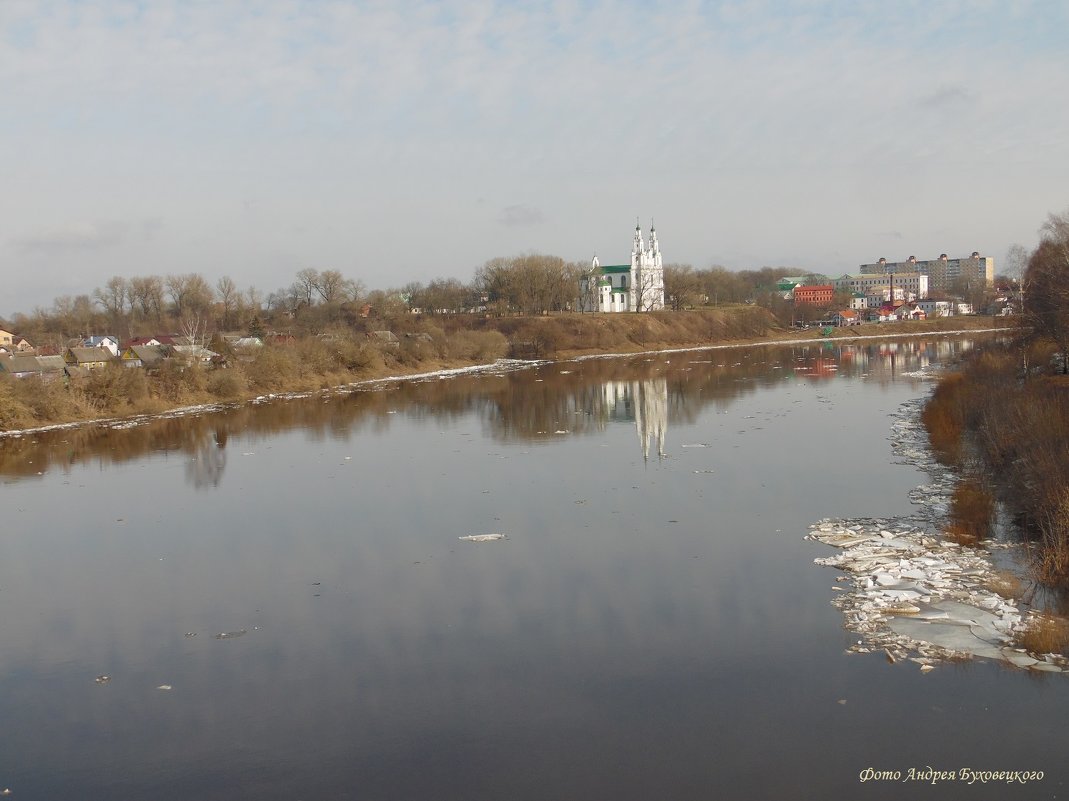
482 537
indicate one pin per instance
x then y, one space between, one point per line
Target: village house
143 356
88 358
194 354
106 341
11 342
22 365
846 317
150 341
936 308
882 314
910 313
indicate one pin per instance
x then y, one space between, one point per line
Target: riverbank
302 368
1002 424
913 593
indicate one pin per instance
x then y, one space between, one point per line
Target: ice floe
482 538
914 594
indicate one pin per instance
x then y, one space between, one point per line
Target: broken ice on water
914 594
482 537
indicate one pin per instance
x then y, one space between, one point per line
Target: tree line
530 284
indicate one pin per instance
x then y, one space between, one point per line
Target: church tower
647 273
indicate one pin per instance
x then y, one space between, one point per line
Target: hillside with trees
326 329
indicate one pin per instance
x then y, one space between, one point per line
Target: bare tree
112 298
189 293
146 297
495 280
82 315
193 329
304 289
63 311
227 292
412 293
1046 286
649 293
443 294
334 288
199 294
682 286
1016 261
254 299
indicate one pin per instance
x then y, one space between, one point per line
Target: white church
638 286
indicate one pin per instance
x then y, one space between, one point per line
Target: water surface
652 627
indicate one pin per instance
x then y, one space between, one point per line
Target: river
274 601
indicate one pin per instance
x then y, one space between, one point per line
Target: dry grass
1045 634
992 420
1052 565
1007 585
943 418
972 508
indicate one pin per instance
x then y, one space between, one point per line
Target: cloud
946 96
521 214
85 236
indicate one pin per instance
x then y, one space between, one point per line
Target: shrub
227 384
14 412
943 418
1044 634
273 369
355 357
479 346
972 507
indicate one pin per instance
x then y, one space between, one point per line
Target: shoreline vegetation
311 364
1001 421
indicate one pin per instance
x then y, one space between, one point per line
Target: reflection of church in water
645 402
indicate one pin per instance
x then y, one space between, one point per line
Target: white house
935 308
107 341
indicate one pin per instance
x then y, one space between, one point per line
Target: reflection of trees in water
205 467
525 405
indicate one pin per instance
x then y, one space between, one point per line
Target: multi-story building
943 272
817 294
914 285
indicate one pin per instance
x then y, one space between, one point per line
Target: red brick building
818 295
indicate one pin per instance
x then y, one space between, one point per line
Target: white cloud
84 236
744 128
521 214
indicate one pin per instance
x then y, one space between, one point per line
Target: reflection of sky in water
649 629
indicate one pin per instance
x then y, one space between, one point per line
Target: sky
405 141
